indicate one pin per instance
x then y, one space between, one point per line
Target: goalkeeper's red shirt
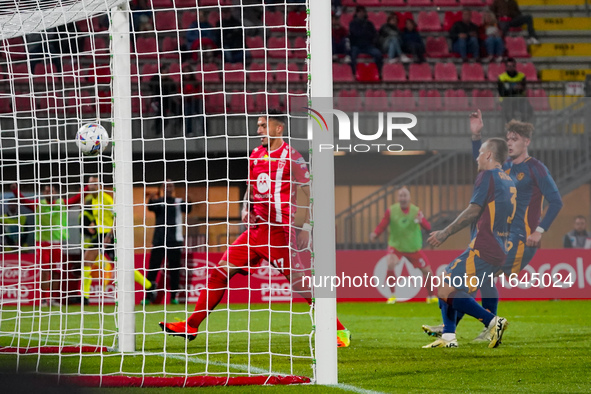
274 178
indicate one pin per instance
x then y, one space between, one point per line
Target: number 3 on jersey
513 191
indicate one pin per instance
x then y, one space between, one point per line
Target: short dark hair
359 8
277 116
510 60
521 128
581 217
499 149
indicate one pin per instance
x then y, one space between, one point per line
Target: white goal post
180 102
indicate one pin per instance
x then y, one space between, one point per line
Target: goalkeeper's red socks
210 298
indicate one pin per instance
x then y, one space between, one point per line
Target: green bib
51 222
405 234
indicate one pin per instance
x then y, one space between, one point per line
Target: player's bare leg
393 261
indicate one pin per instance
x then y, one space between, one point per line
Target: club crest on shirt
263 182
520 176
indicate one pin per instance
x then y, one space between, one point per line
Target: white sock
449 336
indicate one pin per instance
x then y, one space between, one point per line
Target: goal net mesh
202 74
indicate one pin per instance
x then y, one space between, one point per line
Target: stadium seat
174 72
455 100
5 104
419 3
14 48
256 46
472 72
237 102
80 102
393 72
210 73
148 71
169 48
472 3
146 48
516 47
297 101
445 3
538 99
277 47
45 73
346 18
214 103
296 19
437 47
483 100
402 100
256 72
265 101
429 100
429 21
367 72
187 18
529 69
348 100
377 18
494 70
71 74
279 73
451 17
202 3
477 18
20 73
100 74
274 20
342 73
234 73
213 18
376 100
165 20
369 3
446 72
50 105
393 3
420 73
23 102
402 18
185 3
161 3
299 49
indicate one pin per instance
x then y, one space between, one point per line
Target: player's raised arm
476 126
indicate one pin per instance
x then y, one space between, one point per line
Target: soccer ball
92 139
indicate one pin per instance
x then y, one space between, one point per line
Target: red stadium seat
169 48
402 18
455 100
23 102
202 3
346 18
429 21
437 47
297 19
256 72
419 3
297 101
45 73
376 100
342 73
472 3
538 100
445 3
210 73
516 47
214 103
279 73
147 48
101 74
256 46
14 48
529 69
277 47
213 18
348 100
185 3
367 72
174 72
369 3
51 104
402 100
5 105
393 72
299 49
420 73
237 102
71 74
234 73
161 3
393 3
274 20
472 72
377 18
494 70
148 71
451 17
446 72
483 100
165 20
187 19
429 100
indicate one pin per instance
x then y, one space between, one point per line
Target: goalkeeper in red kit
405 221
276 171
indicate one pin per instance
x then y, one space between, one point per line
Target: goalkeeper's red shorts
271 242
49 256
417 259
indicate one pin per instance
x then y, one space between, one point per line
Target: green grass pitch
546 349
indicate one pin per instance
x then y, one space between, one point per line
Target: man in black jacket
363 36
168 238
464 36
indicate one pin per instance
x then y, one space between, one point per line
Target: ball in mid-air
92 139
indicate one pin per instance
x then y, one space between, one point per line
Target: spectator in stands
509 15
340 41
390 40
232 38
201 29
412 42
337 7
491 35
163 90
578 238
142 16
193 102
464 37
363 36
512 93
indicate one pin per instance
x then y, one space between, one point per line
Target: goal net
97 251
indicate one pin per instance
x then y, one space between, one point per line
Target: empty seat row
417 3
